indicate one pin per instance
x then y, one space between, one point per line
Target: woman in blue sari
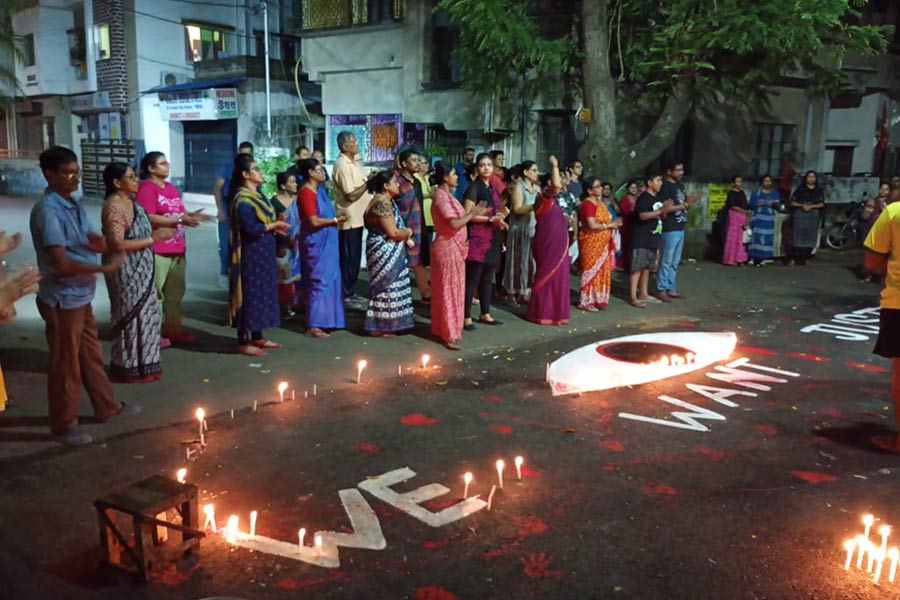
764 202
390 295
319 257
253 304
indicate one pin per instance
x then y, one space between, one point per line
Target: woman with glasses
596 248
320 279
253 276
163 204
134 312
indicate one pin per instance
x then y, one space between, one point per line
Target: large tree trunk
602 152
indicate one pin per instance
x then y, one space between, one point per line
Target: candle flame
282 386
425 359
201 414
362 364
850 545
885 530
868 520
180 475
467 477
894 553
231 530
519 461
318 542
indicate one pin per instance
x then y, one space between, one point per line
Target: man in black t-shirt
672 241
646 231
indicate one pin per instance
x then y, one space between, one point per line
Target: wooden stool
145 503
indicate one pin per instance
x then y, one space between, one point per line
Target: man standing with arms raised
68 251
351 198
672 242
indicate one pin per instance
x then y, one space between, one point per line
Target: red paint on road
436 544
492 398
688 324
765 430
811 357
417 419
366 448
529 472
529 525
538 565
434 593
612 445
870 368
814 476
754 350
708 452
504 429
656 489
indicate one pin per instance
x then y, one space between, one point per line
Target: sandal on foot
251 350
265 344
638 303
317 333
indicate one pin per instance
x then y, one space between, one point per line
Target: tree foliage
10 48
658 58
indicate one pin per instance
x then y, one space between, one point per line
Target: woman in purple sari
550 295
319 258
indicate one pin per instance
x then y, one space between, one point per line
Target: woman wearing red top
162 203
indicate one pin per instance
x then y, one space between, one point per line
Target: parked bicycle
848 232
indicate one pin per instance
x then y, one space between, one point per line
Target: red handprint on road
538 565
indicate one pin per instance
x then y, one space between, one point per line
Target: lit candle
849 546
491 496
305 394
315 389
885 531
318 543
252 523
500 465
210 513
180 475
467 479
519 461
254 406
894 555
878 564
232 529
281 388
425 359
873 554
399 370
867 521
860 550
359 369
293 394
301 534
232 413
201 414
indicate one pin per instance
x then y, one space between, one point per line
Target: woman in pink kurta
448 256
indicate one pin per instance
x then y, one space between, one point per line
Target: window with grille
205 42
328 14
772 143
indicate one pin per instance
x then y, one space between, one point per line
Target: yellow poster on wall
718 192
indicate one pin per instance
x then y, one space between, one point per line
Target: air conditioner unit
168 78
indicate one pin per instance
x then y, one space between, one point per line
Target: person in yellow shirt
883 256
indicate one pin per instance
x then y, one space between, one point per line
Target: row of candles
232 530
864 548
283 386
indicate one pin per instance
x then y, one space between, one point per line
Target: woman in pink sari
738 208
550 295
448 256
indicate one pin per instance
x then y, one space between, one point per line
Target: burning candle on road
231 530
519 462
359 369
467 479
849 546
254 406
281 389
201 416
867 521
253 515
425 359
885 531
860 550
500 465
315 389
180 475
301 534
210 521
399 370
894 555
318 543
491 496
872 550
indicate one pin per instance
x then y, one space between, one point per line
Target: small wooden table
145 503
